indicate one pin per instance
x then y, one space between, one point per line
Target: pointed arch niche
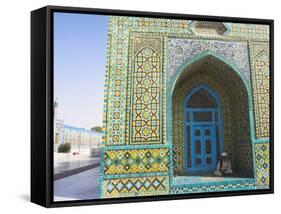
232 104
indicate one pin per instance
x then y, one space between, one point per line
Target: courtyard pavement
68 164
81 186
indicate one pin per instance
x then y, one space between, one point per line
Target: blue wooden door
202 130
203 147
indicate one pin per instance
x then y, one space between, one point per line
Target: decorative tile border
248 31
214 187
136 161
260 82
145 186
262 165
183 50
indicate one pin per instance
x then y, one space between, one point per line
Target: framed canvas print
139 106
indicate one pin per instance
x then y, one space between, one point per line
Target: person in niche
224 166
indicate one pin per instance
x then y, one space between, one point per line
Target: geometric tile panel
262 164
126 187
136 161
146 96
244 159
261 65
178 161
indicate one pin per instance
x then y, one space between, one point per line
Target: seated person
224 166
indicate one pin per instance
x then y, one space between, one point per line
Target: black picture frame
42 105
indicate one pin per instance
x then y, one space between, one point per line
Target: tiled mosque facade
152 64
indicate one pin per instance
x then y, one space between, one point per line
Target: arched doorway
216 94
202 129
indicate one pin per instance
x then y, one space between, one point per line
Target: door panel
203 146
202 124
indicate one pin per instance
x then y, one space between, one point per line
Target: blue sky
79 67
